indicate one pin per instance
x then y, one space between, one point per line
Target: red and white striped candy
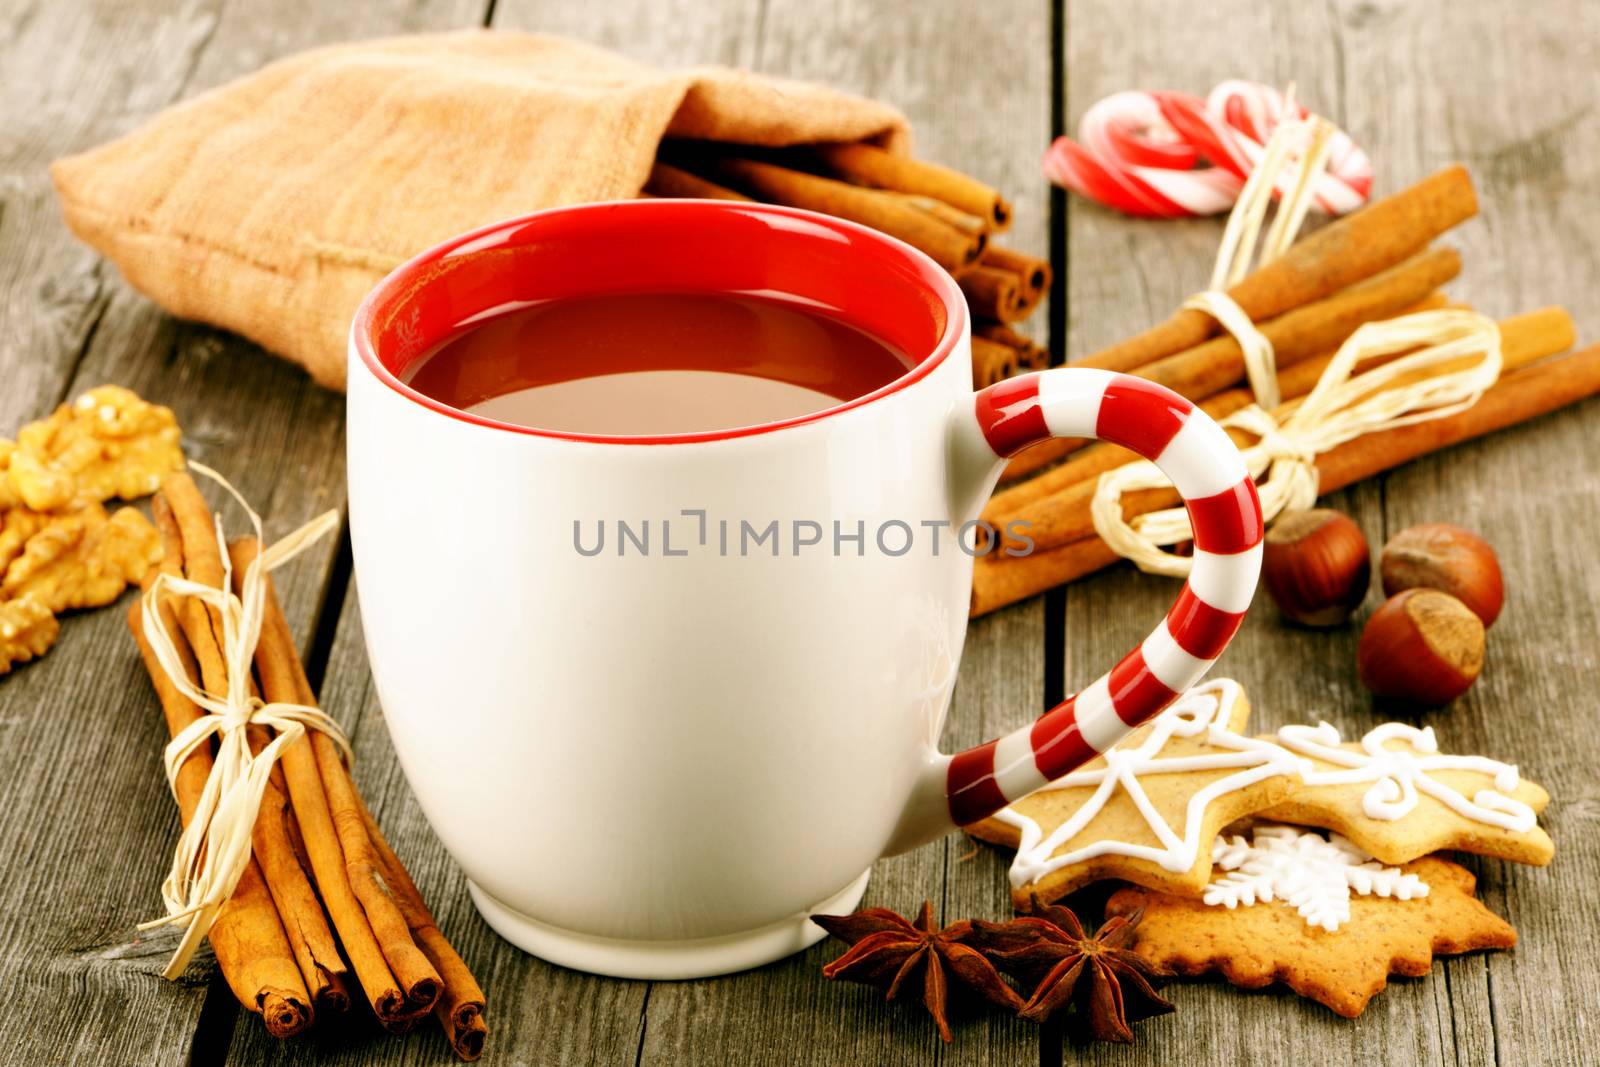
1138 152
1210 475
1132 159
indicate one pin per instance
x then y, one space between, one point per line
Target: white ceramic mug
657 763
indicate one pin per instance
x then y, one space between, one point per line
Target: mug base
695 958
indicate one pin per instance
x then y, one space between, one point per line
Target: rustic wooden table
85 822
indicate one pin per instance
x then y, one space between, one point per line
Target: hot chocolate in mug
657 764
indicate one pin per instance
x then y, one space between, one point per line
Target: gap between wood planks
330 608
1052 1035
98 305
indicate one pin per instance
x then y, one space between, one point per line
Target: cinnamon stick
1308 331
202 562
950 246
1035 273
314 947
1301 378
326 858
1029 355
1296 336
303 782
1039 456
1518 397
866 165
1294 381
1065 515
337 994
460 1008
399 981
1351 248
992 292
189 547
411 967
945 213
667 180
1526 394
991 362
1033 277
247 937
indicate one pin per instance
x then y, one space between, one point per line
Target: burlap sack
270 206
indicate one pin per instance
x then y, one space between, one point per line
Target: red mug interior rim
858 253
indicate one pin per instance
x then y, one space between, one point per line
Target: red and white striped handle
1210 475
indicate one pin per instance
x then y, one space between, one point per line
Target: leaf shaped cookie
1255 945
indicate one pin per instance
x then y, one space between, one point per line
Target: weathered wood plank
1465 95
669 33
934 66
786 1005
70 76
1125 274
1359 63
537 1012
85 820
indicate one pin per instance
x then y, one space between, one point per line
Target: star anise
1109 982
886 949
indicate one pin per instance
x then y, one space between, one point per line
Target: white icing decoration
1397 775
1196 714
1310 873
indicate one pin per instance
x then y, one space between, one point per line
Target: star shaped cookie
1150 808
1253 946
1394 795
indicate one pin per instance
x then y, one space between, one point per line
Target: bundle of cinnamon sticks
949 215
1371 265
325 910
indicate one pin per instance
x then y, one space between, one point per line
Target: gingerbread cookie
1149 809
1395 795
1254 945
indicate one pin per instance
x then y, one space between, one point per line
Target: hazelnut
1316 565
1440 556
1422 647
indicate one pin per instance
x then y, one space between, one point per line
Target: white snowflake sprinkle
1313 874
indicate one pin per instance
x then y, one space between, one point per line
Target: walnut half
83 559
106 443
27 629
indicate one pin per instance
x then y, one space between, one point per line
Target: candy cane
1133 160
1139 150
